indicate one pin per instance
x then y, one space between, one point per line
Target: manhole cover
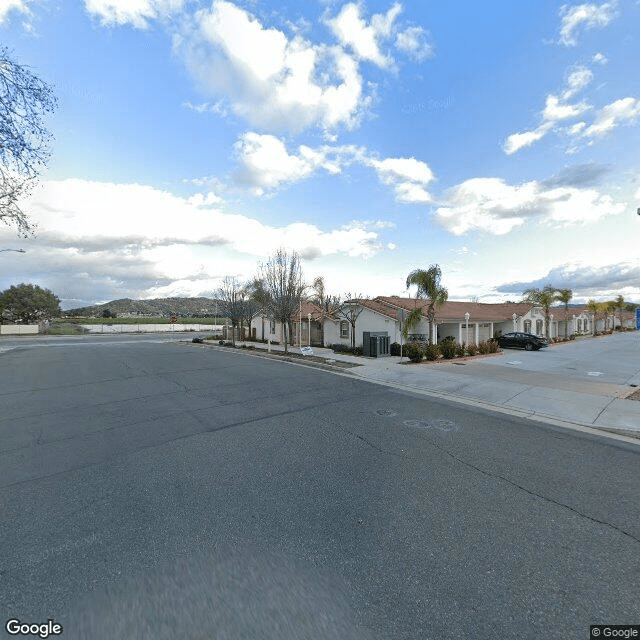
386 412
440 425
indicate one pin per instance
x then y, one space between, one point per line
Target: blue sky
193 139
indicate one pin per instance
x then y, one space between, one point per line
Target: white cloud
204 199
556 110
272 81
578 79
95 215
517 141
266 165
600 58
134 12
489 204
8 7
610 116
587 16
576 128
409 178
413 42
365 39
218 107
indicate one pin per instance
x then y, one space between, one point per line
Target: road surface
151 489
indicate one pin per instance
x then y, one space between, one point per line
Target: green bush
472 350
448 349
343 348
394 349
494 347
432 352
483 348
413 351
461 350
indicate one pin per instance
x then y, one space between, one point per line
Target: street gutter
620 435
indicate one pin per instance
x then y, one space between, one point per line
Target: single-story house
484 321
468 322
308 325
581 321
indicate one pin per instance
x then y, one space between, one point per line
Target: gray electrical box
375 344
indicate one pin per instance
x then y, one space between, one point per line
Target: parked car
521 340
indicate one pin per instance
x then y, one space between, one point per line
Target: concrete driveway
613 359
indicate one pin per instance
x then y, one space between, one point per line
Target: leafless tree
251 302
24 141
350 310
319 297
231 302
283 288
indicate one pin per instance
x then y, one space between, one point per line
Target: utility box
375 344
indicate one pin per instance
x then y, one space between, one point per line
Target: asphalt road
163 490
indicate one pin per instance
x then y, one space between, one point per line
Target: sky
193 139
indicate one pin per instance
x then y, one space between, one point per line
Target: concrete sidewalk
549 397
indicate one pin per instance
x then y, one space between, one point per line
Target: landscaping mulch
634 396
292 356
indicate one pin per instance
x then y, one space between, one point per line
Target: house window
272 326
579 326
344 329
527 326
539 327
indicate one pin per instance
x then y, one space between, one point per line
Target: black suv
522 340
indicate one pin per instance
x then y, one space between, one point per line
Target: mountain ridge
154 307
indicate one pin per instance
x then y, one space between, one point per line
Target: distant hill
157 307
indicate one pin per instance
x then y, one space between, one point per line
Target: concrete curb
614 433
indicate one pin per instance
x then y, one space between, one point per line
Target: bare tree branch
25 100
283 289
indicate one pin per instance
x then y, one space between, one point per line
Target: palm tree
564 296
429 288
620 305
610 308
595 308
544 298
411 321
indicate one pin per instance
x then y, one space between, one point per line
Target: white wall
368 320
18 329
148 328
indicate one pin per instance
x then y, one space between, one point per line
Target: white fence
149 328
18 329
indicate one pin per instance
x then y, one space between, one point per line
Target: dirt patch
318 361
635 395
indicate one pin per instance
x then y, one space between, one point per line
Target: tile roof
558 312
307 308
453 310
380 307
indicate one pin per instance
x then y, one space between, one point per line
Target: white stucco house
308 326
468 322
